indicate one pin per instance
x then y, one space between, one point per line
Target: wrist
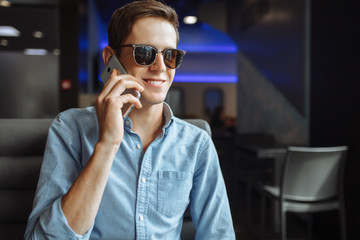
106 149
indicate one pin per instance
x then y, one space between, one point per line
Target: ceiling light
5 3
38 34
190 20
35 51
9 31
56 52
4 42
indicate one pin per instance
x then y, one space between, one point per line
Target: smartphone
105 75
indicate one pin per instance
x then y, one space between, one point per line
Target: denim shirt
146 193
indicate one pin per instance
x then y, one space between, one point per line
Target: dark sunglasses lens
144 55
173 58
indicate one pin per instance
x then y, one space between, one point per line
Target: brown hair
123 19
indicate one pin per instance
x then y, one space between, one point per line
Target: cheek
134 69
171 75
138 71
127 61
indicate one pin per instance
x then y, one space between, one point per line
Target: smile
154 82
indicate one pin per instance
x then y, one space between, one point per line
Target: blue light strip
208 48
203 78
198 48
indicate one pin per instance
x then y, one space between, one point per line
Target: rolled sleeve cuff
55 225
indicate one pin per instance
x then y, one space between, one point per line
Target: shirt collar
167 115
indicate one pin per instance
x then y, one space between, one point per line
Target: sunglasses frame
134 46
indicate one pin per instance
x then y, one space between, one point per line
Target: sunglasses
145 55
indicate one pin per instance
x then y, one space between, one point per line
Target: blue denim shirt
146 193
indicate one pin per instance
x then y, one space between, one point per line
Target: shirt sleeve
209 205
61 166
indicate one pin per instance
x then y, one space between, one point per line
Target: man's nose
159 64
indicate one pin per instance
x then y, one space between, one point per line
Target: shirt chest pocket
173 191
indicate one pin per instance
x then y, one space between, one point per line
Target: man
105 177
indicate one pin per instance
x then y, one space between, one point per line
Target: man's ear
107 53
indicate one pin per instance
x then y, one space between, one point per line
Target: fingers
118 83
109 105
113 92
129 98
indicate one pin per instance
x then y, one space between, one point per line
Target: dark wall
335 82
272 37
69 17
272 34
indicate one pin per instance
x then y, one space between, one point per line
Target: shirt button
138 146
141 217
143 180
127 123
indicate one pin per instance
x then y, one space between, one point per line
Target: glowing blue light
83 43
208 48
206 78
82 76
103 44
205 38
99 78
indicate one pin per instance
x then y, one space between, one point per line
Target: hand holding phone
112 64
105 75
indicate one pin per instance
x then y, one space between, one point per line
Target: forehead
154 31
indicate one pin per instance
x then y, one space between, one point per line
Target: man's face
157 78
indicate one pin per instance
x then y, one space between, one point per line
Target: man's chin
153 102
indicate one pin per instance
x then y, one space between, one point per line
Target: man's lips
154 82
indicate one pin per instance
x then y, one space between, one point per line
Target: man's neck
147 122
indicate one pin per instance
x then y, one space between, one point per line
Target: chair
311 182
201 124
188 230
22 143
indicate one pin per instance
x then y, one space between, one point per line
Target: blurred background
280 72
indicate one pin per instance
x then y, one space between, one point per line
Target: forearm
81 203
209 205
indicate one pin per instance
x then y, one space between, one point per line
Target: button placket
142 192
